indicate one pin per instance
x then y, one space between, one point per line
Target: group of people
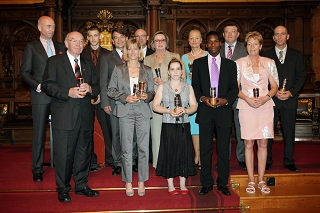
154 106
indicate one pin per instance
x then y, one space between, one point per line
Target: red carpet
15 163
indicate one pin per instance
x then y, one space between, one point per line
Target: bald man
33 64
290 65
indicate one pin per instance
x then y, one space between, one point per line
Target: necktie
77 69
281 56
49 50
229 55
94 57
122 57
214 75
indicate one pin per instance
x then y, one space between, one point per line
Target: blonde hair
132 42
255 35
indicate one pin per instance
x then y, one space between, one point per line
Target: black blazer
87 54
33 65
228 89
294 70
58 78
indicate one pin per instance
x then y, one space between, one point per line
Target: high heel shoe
129 194
141 193
184 191
174 192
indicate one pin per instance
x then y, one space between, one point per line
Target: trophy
158 73
256 92
284 84
80 81
213 99
177 103
141 88
190 68
135 89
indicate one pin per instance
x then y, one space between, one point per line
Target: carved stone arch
24 32
228 21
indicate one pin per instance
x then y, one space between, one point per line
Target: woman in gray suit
159 61
133 111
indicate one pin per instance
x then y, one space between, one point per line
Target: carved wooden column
154 15
316 43
59 22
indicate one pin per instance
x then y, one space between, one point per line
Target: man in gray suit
33 64
108 63
94 52
233 50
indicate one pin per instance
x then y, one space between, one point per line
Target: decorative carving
7 58
105 26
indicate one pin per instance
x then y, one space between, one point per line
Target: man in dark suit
290 66
108 63
222 74
142 36
233 49
72 117
94 52
33 64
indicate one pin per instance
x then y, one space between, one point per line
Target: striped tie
77 69
229 55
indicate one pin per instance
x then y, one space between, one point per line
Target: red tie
122 57
77 69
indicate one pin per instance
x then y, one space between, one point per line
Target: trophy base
213 101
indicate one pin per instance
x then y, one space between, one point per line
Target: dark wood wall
18 25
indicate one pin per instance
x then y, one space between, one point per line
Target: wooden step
291 210
281 179
282 197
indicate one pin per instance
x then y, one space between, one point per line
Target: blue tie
49 50
214 75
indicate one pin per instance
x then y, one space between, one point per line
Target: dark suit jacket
87 54
149 51
228 89
239 51
108 63
58 78
294 70
119 89
33 65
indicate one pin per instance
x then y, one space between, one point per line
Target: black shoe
110 165
292 168
88 192
94 168
64 197
268 166
204 190
116 171
134 168
224 190
242 164
37 177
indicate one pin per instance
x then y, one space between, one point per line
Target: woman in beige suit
133 112
159 61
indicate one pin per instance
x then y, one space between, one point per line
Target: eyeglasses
74 41
159 41
230 31
140 36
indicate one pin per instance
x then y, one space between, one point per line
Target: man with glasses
142 37
233 50
108 63
94 52
33 63
72 117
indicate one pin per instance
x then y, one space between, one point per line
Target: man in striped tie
233 49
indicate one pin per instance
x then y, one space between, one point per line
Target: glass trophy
213 99
284 84
256 92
